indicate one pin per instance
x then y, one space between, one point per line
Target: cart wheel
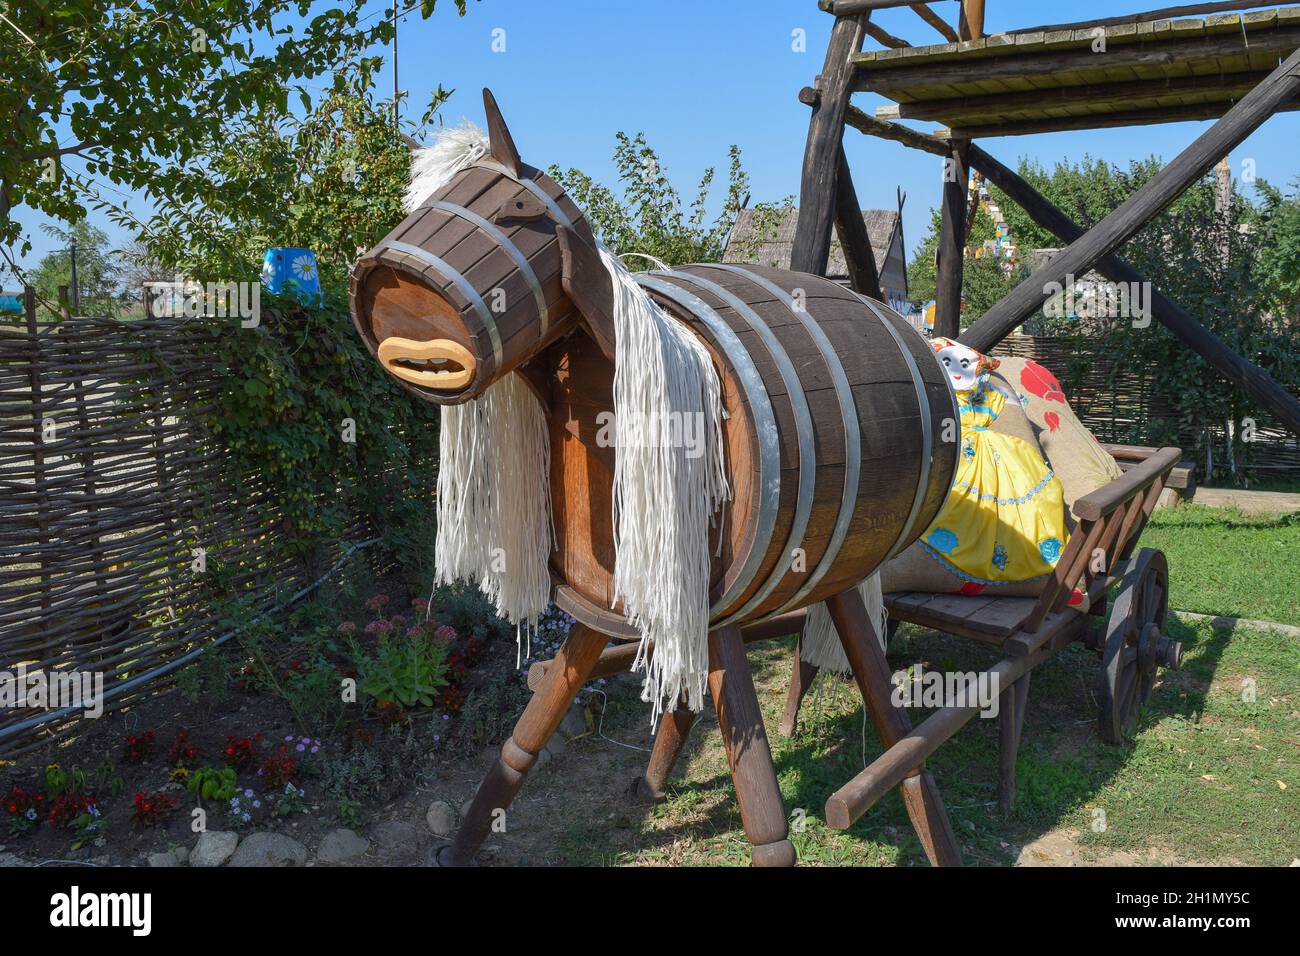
1135 644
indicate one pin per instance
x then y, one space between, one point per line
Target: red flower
139 747
1053 421
150 808
1039 381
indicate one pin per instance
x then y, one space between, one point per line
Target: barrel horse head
838 417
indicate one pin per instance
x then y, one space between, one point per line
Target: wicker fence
1120 403
111 493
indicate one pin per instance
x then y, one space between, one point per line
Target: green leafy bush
212 783
407 671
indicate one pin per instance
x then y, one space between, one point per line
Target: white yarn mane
454 148
494 509
664 499
820 644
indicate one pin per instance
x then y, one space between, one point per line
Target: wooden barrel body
841 438
478 263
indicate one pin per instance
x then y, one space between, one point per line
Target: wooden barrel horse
834 442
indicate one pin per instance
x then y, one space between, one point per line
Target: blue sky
697 77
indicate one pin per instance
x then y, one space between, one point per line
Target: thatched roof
779 236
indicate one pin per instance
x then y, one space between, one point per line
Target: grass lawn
1211 776
1224 562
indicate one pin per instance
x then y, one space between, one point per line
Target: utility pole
76 289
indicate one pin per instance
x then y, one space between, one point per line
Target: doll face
961 364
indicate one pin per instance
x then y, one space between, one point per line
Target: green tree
98 272
1276 228
983 280
1232 269
138 93
649 217
330 181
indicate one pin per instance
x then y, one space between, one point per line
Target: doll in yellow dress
1004 519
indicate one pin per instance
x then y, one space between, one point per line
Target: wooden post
670 739
871 671
1011 728
952 233
855 240
1139 209
762 810
1244 374
972 19
802 675
38 448
812 237
539 721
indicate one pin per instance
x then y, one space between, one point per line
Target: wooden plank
1166 13
1146 116
1159 50
1100 97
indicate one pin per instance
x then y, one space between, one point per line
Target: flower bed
311 722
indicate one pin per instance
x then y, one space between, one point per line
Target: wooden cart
1129 634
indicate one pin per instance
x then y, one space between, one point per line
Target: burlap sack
1077 458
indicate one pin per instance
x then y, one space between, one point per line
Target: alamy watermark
52 690
185 298
1091 299
685 430
935 689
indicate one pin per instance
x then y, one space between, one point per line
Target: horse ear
503 145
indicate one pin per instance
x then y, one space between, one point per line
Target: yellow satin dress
1004 520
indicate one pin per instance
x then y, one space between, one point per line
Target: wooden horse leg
871 671
761 808
539 721
801 678
1011 724
669 741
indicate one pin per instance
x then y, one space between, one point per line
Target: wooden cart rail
1111 520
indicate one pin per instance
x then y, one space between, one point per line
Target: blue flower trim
957 572
1028 496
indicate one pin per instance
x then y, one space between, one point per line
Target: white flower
303 268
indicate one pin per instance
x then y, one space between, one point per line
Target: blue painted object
288 270
11 302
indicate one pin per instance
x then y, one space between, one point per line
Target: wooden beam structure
1250 378
849 8
812 237
1140 117
1247 376
855 241
1077 57
950 268
1150 16
971 26
1279 87
923 11
1217 87
884 37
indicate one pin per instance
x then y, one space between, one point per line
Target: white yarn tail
454 148
669 480
820 643
494 499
